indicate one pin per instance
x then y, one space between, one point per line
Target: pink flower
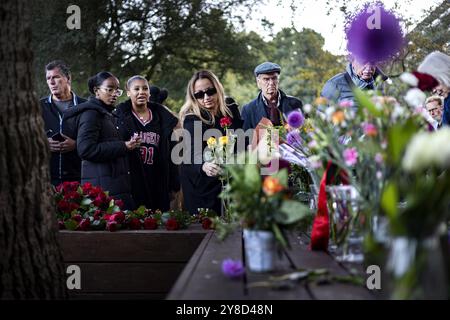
346 104
350 156
379 158
84 224
370 129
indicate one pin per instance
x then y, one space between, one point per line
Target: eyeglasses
201 94
111 91
267 80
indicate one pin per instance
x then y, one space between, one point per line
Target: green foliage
260 204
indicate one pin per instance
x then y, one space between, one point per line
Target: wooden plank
304 258
139 245
205 281
177 290
127 277
282 266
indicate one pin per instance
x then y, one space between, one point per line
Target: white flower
329 112
415 97
315 162
409 78
426 150
398 112
307 108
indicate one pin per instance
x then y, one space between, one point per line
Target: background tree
31 263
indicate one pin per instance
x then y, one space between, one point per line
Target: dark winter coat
253 112
169 171
200 190
102 150
63 166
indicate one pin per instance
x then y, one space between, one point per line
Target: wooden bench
142 264
202 278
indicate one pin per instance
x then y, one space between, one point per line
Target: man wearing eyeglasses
271 102
65 165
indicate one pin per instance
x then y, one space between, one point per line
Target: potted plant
263 207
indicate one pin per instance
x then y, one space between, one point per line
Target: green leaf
252 177
71 224
278 235
389 200
282 176
364 101
398 137
291 212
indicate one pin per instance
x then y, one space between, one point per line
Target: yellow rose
223 140
211 142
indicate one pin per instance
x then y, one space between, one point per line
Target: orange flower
271 186
321 101
338 117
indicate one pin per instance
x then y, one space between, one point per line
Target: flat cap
267 67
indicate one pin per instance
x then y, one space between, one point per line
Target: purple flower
350 156
295 119
374 34
232 268
293 139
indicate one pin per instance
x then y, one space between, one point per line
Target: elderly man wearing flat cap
271 102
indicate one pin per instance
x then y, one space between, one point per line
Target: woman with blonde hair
204 108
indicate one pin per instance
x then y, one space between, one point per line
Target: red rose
72 195
97 214
150 224
74 206
64 206
119 217
77 218
225 122
172 224
206 223
84 224
87 187
95 191
119 203
135 224
112 226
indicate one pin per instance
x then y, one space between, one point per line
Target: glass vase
417 268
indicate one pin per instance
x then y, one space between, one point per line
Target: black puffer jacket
169 171
103 152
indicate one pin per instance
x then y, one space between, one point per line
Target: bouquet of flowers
260 203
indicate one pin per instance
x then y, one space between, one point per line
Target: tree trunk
30 259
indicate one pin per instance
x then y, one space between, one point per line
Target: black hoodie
102 150
167 180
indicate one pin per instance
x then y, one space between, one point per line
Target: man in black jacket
65 165
271 103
